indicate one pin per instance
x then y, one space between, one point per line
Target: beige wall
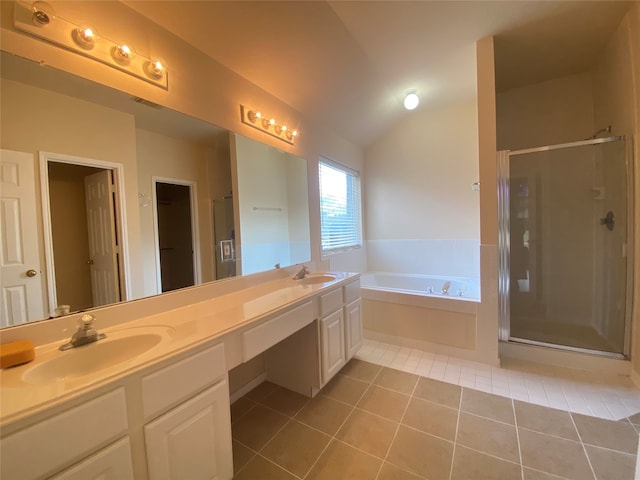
181 161
198 86
547 113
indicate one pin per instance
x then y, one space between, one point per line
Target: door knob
90 262
31 273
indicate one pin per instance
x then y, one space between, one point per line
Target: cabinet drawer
264 336
111 463
177 382
352 291
330 302
31 453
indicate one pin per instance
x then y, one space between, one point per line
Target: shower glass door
566 219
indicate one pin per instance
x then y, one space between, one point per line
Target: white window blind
340 208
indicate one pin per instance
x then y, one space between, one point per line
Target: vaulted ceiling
348 64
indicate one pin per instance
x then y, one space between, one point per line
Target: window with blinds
340 208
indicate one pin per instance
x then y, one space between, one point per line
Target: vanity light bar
267 124
39 19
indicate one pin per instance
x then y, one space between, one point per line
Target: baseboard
471 355
552 356
635 378
247 387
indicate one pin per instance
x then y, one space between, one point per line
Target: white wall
421 214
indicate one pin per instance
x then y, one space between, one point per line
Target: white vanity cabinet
340 326
80 434
352 318
191 438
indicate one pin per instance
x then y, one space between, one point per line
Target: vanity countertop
172 331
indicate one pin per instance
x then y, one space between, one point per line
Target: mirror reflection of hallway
84 230
175 235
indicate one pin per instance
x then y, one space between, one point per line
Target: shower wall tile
444 257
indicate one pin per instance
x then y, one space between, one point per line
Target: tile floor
613 397
380 423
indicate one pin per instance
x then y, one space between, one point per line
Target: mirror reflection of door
82 202
175 235
21 296
223 230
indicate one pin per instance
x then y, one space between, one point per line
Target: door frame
120 211
195 230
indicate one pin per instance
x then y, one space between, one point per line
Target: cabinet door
353 327
332 338
110 463
192 441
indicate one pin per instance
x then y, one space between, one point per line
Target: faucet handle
86 321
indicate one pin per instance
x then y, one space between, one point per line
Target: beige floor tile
607 433
324 413
554 455
530 474
262 469
261 391
438 392
240 407
340 461
469 464
545 420
487 405
285 401
488 436
431 418
361 370
257 426
296 448
391 472
368 432
635 419
386 403
611 465
420 453
402 382
344 389
241 455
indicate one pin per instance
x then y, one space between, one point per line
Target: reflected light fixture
266 124
39 19
411 100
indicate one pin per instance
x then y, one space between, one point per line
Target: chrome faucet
304 271
84 335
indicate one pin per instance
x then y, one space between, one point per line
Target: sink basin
91 358
317 278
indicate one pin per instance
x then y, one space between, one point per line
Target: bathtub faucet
445 288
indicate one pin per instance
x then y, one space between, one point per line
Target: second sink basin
117 348
315 278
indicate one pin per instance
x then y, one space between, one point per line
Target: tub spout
445 288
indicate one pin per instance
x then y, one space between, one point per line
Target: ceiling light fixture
38 19
267 124
411 100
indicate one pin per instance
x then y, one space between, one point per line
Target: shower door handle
609 220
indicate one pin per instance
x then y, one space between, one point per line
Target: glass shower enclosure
565 246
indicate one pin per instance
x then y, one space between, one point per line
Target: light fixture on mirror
39 19
267 124
411 100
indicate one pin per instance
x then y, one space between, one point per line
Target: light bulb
272 121
411 101
43 14
122 54
284 128
84 36
156 68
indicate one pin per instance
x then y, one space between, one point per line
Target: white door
21 299
192 441
103 248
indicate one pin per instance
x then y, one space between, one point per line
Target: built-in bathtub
426 312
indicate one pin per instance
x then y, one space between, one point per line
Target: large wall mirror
108 198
